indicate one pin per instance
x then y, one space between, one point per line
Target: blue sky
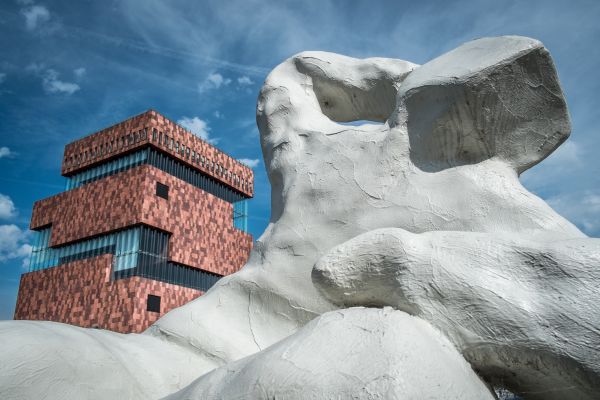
68 69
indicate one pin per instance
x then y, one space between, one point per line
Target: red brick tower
152 216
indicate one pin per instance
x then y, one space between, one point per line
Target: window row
125 245
166 141
106 169
164 163
139 251
109 147
178 169
173 273
170 143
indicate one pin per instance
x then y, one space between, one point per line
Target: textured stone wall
113 141
201 225
81 293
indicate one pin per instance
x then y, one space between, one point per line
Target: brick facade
81 293
137 132
201 225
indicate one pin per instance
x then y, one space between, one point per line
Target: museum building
151 217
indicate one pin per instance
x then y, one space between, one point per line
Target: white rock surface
49 360
357 353
535 326
451 138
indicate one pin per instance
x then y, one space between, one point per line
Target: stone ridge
201 225
151 128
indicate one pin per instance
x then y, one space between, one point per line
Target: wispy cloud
7 207
50 81
245 81
213 81
52 84
218 115
6 152
198 127
79 72
35 16
76 32
14 243
2 77
565 161
581 208
252 163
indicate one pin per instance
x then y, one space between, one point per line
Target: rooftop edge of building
151 128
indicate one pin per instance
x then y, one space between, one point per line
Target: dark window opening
162 190
153 303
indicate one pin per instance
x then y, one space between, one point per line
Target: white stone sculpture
422 212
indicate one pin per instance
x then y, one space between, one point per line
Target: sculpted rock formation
422 211
390 348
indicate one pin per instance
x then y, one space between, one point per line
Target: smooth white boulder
50 360
357 353
489 98
535 324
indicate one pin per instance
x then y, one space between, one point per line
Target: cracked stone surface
420 209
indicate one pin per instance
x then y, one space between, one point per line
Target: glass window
162 190
153 303
154 135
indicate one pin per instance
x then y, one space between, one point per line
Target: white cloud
567 155
6 152
198 127
79 72
2 77
7 207
35 15
52 84
563 164
213 81
252 163
14 243
50 81
218 115
245 81
581 208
